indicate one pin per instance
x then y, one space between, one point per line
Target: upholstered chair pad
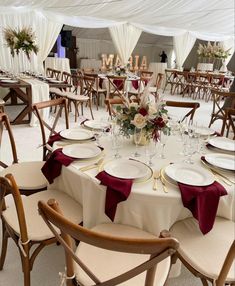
106 264
205 253
36 227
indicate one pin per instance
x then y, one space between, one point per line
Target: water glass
164 135
116 145
137 139
151 151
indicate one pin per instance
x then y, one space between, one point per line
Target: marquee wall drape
183 44
46 33
125 38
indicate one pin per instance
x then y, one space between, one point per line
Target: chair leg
4 245
26 270
204 282
91 110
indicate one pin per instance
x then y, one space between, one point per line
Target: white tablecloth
204 67
40 92
90 64
61 64
150 210
158 68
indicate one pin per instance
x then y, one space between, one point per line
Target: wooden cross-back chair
56 74
109 254
180 104
221 101
146 74
22 223
116 86
62 105
210 257
49 72
229 120
154 89
28 175
170 79
97 90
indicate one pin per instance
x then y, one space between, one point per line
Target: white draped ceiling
185 20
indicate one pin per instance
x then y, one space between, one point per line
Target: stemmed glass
97 134
163 139
150 151
137 139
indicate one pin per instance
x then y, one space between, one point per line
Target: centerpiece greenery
150 117
18 40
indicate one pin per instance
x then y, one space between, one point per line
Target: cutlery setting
157 175
93 165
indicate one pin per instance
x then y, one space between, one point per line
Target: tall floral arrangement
23 39
215 50
150 117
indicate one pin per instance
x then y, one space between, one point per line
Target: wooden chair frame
170 76
62 104
56 74
229 120
192 105
113 88
158 248
4 121
8 186
218 110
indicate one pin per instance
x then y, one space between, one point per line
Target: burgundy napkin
54 138
118 83
117 191
135 84
202 202
52 167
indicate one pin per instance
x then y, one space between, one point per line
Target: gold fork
156 176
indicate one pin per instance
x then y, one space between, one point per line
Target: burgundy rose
143 111
159 122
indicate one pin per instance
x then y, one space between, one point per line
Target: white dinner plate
189 175
95 124
76 134
81 151
224 161
9 80
223 143
127 169
204 131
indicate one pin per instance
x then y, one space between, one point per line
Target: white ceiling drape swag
183 44
125 38
229 44
46 33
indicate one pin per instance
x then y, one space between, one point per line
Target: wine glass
97 135
163 139
137 139
151 151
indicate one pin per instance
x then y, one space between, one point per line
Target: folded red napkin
118 83
117 191
52 167
135 84
202 202
54 138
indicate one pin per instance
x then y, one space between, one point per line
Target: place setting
221 144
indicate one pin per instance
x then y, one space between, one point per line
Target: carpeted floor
51 260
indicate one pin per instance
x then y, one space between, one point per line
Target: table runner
40 92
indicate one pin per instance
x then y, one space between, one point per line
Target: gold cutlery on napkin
93 165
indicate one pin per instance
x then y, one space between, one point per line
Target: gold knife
162 181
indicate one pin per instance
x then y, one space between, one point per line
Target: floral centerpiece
150 117
214 51
120 70
23 39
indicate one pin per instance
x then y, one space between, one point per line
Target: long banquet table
145 208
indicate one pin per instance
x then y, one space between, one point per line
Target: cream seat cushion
71 95
28 175
106 264
153 89
55 90
205 253
36 227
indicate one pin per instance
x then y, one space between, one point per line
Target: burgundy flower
143 111
159 122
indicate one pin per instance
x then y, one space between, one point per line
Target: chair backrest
113 101
56 74
8 186
157 249
159 80
146 74
116 85
96 80
4 122
38 107
67 78
89 82
229 121
49 72
191 105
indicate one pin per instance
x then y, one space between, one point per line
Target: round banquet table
145 208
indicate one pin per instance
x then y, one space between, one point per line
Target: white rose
139 121
26 42
152 112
